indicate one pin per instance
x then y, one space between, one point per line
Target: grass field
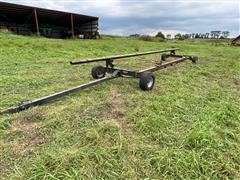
187 127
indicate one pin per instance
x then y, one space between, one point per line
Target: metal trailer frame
115 73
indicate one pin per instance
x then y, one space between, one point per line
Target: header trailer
145 76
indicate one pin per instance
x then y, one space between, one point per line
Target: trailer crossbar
122 56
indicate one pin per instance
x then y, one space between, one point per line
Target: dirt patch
236 82
24 133
116 110
27 122
27 145
23 126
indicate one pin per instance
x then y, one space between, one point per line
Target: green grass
187 127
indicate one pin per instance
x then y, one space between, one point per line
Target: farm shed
236 41
27 20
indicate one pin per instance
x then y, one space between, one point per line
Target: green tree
178 36
160 35
197 36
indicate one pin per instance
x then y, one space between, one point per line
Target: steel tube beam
123 72
121 56
162 66
45 99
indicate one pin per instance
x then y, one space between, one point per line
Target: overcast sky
124 17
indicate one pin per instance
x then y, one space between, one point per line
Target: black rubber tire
164 57
194 59
98 72
147 81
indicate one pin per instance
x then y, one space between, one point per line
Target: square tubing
123 72
162 66
45 99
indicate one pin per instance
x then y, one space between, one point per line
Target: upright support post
91 28
72 25
36 21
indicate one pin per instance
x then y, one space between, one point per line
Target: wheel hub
150 83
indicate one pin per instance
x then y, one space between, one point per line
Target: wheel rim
150 83
100 74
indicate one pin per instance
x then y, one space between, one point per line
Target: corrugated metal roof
16 8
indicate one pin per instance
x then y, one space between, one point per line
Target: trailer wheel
194 59
98 72
164 57
147 81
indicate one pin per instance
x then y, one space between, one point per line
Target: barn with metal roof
29 20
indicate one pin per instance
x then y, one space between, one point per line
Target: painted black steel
122 72
45 99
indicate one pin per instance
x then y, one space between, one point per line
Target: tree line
211 35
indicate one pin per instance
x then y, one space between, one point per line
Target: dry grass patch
24 133
116 110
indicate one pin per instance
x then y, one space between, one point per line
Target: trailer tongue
45 99
146 82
